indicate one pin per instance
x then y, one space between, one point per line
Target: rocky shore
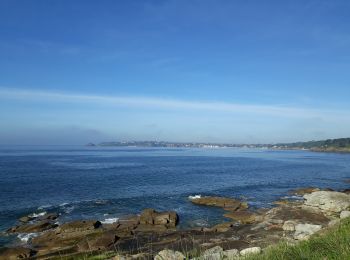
153 235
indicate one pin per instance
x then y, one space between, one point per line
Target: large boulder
330 201
304 231
152 217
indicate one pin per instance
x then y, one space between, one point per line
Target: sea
108 183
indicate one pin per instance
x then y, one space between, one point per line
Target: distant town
330 145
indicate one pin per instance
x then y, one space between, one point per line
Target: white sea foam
35 215
194 197
26 237
64 204
109 220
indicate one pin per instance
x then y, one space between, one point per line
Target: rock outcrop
329 201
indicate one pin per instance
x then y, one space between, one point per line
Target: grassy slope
333 243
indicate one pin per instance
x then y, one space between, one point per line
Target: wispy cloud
170 104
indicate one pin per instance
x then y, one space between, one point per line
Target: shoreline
242 231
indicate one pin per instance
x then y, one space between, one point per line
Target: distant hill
330 145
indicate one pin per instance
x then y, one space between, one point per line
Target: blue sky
217 71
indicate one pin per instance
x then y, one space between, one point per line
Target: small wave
35 215
68 210
26 237
45 207
109 220
64 204
194 197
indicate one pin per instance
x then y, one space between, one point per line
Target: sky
73 72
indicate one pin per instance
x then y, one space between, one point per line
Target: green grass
333 243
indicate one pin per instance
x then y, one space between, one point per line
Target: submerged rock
330 201
303 191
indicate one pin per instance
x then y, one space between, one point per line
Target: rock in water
227 203
167 254
304 231
330 201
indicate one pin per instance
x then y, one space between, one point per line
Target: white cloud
171 104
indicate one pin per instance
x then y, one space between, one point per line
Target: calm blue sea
107 183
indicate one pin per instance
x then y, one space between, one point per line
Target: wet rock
49 216
303 191
167 254
222 202
244 217
16 253
344 214
330 201
250 251
26 219
304 231
289 225
33 228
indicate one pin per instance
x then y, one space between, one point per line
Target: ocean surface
107 183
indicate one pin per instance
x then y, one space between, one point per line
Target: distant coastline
340 145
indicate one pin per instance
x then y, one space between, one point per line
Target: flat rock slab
222 202
245 217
